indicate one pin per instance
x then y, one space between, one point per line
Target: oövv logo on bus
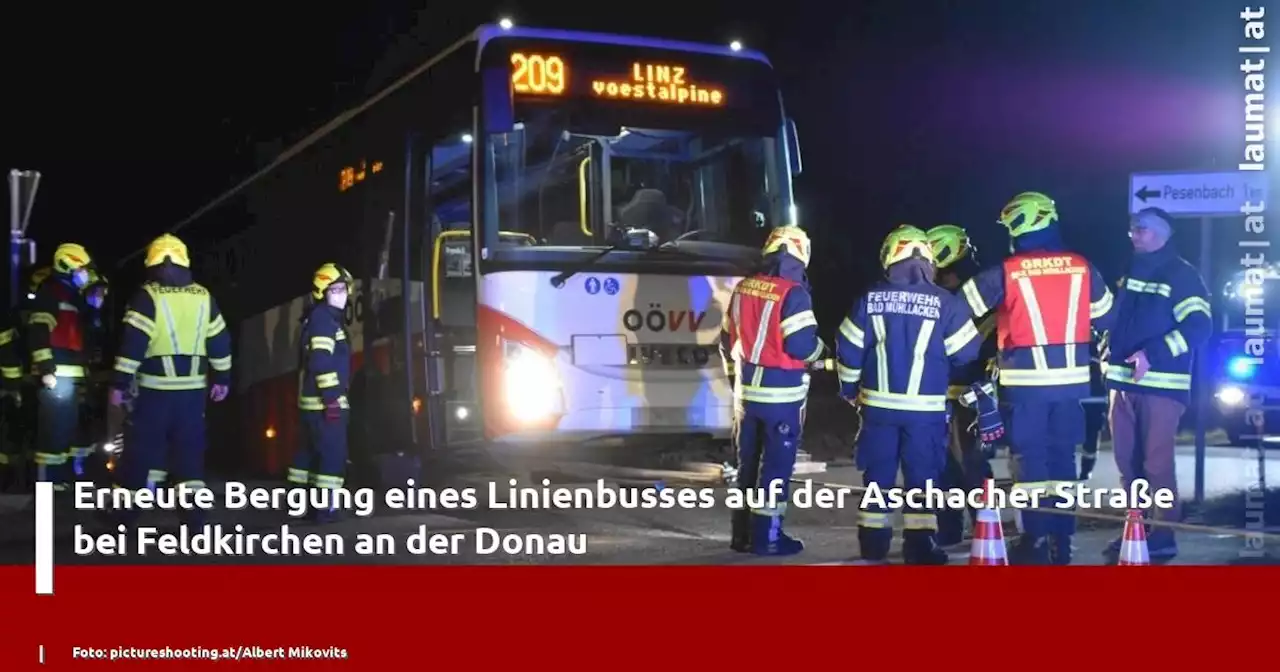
657 319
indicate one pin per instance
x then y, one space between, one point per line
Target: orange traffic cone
988 535
1133 546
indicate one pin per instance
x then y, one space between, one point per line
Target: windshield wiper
562 277
559 279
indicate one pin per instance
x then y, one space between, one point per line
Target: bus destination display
549 74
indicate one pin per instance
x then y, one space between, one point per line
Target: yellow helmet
70 257
1027 212
903 243
167 248
329 274
950 244
791 239
39 276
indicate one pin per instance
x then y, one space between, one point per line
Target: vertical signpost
23 185
1207 197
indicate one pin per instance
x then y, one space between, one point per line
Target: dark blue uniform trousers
58 416
919 446
966 467
166 431
767 437
322 458
1043 436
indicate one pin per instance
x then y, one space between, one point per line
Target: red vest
68 335
756 310
1046 300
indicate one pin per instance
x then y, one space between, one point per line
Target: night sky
908 112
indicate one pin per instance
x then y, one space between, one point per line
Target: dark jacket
1162 309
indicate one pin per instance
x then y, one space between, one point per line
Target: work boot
767 537
874 543
950 528
740 531
1060 549
1087 463
921 549
1112 552
1029 550
1161 545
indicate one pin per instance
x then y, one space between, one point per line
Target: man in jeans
1162 316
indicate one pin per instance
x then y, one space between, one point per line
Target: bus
545 227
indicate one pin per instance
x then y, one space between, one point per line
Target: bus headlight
1230 395
531 382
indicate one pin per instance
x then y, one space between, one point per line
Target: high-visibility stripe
797 322
974 298
917 356
762 333
735 314
852 333
936 403
1177 343
1154 379
955 342
1077 286
1191 305
1102 306
882 358
1037 322
1148 287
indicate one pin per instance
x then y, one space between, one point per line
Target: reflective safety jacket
10 359
1162 309
173 338
1047 303
897 348
55 330
768 338
325 374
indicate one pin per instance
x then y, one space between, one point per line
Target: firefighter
968 465
173 344
92 393
1044 298
895 352
20 391
768 339
321 461
56 341
11 400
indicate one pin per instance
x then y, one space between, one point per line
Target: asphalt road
610 536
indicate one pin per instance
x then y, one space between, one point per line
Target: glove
981 398
333 411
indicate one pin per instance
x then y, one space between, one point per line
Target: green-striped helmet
1027 212
950 244
903 243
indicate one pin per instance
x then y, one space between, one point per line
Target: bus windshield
569 186
614 145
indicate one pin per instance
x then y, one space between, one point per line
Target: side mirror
793 148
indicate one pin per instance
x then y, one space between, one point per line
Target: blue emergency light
1240 367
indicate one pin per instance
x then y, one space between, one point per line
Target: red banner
383 618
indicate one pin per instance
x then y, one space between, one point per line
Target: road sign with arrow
1197 194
